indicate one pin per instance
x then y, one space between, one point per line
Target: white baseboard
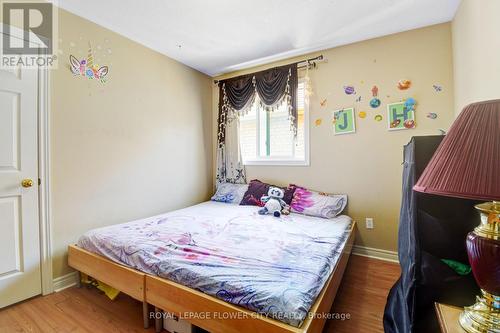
371 252
65 281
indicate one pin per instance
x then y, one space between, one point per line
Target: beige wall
136 146
367 165
476 52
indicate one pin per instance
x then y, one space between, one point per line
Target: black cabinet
431 228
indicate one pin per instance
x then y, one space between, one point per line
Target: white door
19 224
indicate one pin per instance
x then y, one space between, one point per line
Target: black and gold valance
271 88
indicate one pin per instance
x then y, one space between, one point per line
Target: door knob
27 183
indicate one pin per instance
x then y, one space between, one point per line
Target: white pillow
230 193
317 204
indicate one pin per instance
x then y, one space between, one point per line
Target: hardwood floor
362 294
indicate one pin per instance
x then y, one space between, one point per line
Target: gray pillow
230 193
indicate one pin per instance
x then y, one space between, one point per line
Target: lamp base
482 317
483 249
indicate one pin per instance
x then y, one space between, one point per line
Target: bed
272 274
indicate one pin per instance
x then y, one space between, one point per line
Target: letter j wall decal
345 121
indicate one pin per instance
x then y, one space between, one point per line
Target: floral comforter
273 266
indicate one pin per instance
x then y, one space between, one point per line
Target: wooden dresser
448 318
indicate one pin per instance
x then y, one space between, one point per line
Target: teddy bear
273 202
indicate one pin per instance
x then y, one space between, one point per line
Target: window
266 138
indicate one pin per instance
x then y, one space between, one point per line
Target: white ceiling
219 36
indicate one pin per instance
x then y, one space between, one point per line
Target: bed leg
78 279
158 320
145 314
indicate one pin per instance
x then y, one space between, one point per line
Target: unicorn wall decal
87 68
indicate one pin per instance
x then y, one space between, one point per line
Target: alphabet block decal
401 115
344 121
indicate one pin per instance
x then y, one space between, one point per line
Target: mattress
274 266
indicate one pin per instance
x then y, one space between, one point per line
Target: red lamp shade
467 162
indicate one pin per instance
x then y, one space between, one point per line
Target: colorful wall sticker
349 90
87 67
401 115
318 121
404 84
432 115
437 87
375 101
410 103
362 114
345 121
358 99
409 124
378 117
323 103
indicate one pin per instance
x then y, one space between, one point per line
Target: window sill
276 162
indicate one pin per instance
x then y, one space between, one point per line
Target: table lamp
467 165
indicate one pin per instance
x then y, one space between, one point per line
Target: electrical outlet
369 223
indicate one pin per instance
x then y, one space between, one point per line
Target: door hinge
39 182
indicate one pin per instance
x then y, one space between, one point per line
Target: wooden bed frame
179 300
